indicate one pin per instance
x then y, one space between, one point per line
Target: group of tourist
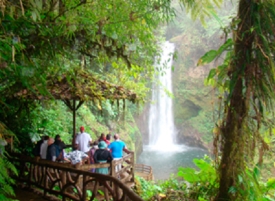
102 150
84 151
50 149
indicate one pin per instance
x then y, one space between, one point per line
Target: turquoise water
166 160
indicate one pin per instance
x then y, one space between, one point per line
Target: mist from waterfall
161 119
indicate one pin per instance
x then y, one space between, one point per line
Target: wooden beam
68 103
79 105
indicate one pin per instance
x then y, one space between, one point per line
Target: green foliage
90 193
251 186
147 189
203 123
6 182
189 184
135 79
202 183
218 77
55 118
202 9
52 119
8 169
48 38
212 54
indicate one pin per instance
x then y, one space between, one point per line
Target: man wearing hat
83 141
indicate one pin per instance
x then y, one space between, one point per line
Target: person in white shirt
83 141
44 147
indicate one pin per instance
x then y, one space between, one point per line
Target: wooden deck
77 182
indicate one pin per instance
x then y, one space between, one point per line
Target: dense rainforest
104 53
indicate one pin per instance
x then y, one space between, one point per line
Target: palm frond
201 9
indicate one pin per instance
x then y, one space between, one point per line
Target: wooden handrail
143 168
73 183
144 171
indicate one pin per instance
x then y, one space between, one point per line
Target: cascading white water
161 120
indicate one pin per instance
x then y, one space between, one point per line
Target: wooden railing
76 183
144 171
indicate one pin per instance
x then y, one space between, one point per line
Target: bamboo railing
76 183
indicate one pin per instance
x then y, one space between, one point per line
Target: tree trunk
234 137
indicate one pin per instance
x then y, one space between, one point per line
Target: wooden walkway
78 183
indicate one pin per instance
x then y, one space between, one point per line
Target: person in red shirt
103 138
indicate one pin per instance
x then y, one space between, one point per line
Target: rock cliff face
191 137
142 124
192 97
194 102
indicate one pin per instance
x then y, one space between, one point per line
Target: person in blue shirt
117 147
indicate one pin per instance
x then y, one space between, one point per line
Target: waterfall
161 119
162 153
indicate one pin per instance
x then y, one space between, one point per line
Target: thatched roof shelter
74 89
82 86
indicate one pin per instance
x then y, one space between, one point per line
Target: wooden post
84 188
74 117
113 172
113 168
63 178
45 181
133 167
